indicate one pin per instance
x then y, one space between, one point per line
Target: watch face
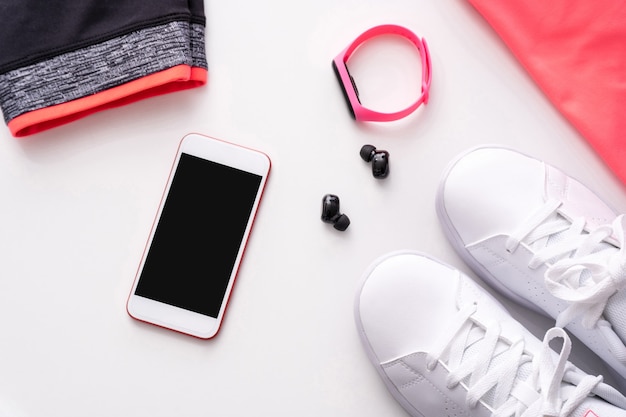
343 87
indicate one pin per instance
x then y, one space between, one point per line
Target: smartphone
197 241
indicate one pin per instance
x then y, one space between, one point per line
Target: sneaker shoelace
508 380
583 268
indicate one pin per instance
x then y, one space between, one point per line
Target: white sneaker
544 240
445 347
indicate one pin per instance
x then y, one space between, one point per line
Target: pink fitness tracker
348 85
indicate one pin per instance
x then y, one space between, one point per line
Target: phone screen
199 235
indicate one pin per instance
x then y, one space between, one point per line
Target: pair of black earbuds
330 202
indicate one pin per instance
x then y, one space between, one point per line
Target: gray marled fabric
198 46
99 67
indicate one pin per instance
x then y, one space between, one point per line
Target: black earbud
379 160
331 214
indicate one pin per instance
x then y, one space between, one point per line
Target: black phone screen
198 235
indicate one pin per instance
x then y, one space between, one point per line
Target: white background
78 202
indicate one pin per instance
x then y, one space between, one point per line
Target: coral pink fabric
575 50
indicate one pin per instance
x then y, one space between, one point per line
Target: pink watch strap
348 85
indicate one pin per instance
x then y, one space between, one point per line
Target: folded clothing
574 50
62 60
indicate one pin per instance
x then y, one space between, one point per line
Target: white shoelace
583 269
469 353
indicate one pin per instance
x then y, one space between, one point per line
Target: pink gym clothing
575 50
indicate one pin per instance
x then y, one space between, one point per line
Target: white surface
78 202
